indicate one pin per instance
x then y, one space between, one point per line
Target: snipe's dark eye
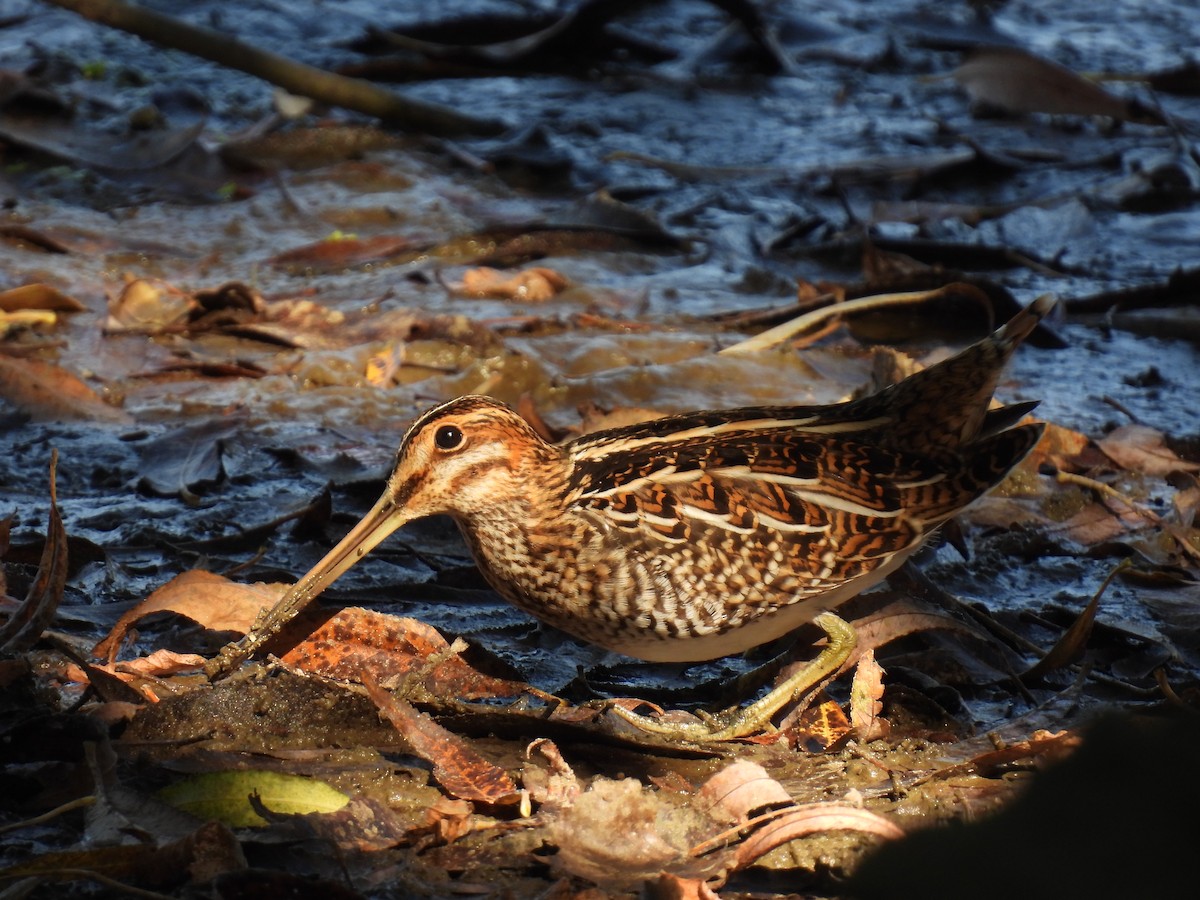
448 437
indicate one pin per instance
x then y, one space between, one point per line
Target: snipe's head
462 459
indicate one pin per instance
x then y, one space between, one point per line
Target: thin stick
298 78
786 331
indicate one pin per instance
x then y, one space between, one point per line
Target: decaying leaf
225 796
736 817
819 727
655 834
160 663
213 601
458 768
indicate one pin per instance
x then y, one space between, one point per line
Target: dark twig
298 78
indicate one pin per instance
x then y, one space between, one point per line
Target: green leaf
225 796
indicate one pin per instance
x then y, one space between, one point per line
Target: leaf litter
285 336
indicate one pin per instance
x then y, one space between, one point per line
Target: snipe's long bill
703 534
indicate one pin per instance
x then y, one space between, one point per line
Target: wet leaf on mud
65 140
360 645
187 459
225 796
1140 448
49 393
461 771
344 251
21 630
215 602
899 620
1017 81
764 815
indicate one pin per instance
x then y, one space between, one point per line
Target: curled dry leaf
557 787
160 663
536 285
213 601
812 818
27 622
737 816
866 699
1017 81
148 306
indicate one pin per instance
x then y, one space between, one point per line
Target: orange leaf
357 644
211 600
460 771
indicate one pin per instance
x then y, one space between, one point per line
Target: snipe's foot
742 721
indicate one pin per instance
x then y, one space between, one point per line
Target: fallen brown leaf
357 644
1140 448
866 693
338 252
1017 81
48 393
821 726
459 769
38 296
211 600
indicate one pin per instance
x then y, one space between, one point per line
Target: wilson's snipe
704 534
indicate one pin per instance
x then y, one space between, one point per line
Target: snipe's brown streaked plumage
703 534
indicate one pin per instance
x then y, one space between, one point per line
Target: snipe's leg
741 721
